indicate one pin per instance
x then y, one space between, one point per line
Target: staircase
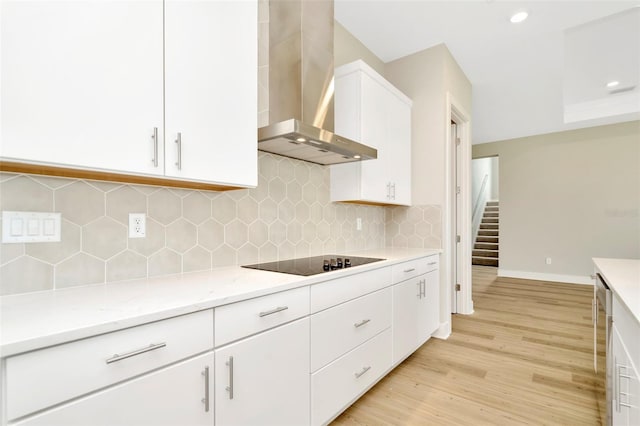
485 250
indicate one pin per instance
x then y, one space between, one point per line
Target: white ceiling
516 70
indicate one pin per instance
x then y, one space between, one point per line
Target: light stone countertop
623 277
35 320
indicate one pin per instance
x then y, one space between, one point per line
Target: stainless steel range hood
301 86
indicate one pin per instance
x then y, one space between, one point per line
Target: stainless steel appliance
602 322
301 87
313 265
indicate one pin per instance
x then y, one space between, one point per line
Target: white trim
455 112
541 276
443 332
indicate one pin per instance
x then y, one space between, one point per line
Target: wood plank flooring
524 357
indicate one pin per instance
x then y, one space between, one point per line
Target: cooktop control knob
347 263
334 264
326 266
339 263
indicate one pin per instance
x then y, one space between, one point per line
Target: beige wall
347 49
570 196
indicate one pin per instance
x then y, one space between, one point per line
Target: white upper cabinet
370 110
82 83
93 85
211 90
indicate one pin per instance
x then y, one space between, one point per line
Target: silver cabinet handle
424 288
179 143
230 387
273 311
419 284
361 323
151 347
393 186
406 271
432 263
388 190
205 400
364 370
155 147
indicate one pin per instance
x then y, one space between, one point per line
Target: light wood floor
524 357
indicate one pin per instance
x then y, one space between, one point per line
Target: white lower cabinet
264 379
181 394
625 380
415 313
339 384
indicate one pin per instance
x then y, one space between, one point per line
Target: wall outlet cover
137 225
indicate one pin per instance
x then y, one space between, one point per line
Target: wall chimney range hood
301 86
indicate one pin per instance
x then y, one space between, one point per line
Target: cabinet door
398 147
619 385
82 83
431 308
175 395
407 315
211 90
264 379
375 175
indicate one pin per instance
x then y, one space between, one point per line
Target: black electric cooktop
313 265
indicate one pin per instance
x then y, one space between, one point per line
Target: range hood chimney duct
301 86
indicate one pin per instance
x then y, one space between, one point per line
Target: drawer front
39 379
337 385
337 330
628 328
330 293
248 317
405 270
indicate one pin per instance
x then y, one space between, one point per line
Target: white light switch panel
30 227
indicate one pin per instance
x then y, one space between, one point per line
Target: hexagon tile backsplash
288 215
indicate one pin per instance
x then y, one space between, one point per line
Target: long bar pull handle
230 387
419 284
388 190
179 143
273 311
361 323
205 400
155 147
393 186
406 271
364 370
151 347
424 288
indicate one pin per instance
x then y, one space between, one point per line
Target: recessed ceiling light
519 17
357 157
301 140
612 83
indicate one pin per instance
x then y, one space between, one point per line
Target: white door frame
456 113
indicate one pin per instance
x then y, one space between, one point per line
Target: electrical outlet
359 224
137 225
548 260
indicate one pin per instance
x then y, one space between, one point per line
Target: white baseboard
443 332
541 276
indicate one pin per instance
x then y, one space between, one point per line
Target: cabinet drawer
39 379
330 293
337 385
413 268
337 330
248 317
628 328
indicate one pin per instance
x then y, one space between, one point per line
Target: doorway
457 219
485 216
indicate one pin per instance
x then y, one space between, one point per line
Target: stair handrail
480 193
